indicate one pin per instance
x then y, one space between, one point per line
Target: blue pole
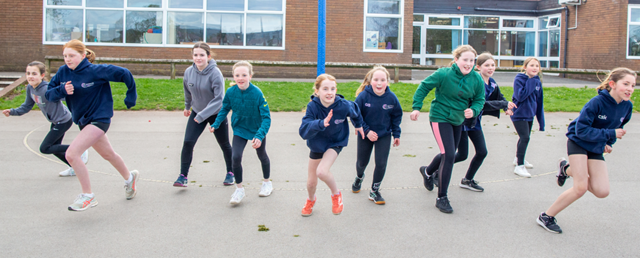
322 34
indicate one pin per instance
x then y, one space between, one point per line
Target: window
255 24
383 25
633 32
442 41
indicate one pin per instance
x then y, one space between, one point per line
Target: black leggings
193 132
52 142
447 136
365 147
238 148
523 128
477 137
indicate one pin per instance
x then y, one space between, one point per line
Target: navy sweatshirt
527 95
596 125
91 100
382 114
320 138
493 102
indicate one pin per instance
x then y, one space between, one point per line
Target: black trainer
355 187
562 171
443 205
376 197
428 180
471 185
435 176
548 223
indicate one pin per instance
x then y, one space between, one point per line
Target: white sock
128 181
90 195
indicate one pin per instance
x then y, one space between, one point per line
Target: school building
589 34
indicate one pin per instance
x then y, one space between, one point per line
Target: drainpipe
566 37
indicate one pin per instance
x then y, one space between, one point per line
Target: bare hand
256 143
608 149
396 142
373 136
187 112
211 129
509 112
620 132
511 105
359 130
328 118
69 87
414 115
468 113
6 112
195 119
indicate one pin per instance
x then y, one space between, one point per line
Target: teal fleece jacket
251 118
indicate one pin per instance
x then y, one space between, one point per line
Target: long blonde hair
461 49
238 64
320 79
615 75
527 61
367 78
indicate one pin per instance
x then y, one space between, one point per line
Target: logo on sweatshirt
622 119
339 121
603 117
537 88
367 104
87 85
386 107
190 84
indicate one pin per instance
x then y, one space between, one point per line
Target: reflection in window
63 25
144 3
543 64
144 27
224 29
384 6
65 2
518 43
542 23
554 43
105 3
481 22
554 64
442 41
264 30
517 23
184 28
382 33
416 39
265 5
444 21
635 15
104 26
634 40
482 40
543 44
185 4
225 5
418 17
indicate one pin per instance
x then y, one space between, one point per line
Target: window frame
165 24
629 24
401 31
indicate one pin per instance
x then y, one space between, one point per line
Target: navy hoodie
320 138
494 101
382 114
527 95
91 100
596 125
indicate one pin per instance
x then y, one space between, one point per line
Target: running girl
382 115
459 95
88 94
55 112
593 133
326 130
528 98
203 92
250 122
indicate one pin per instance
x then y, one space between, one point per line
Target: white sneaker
85 156
526 163
521 171
68 172
237 196
266 189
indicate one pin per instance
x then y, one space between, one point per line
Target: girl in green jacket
459 95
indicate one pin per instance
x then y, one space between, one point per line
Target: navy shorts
318 155
573 148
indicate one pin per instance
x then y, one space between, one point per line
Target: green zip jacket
454 93
251 118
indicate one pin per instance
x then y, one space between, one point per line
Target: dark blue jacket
528 97
91 100
596 125
493 102
320 138
382 114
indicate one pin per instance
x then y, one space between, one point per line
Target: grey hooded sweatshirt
203 90
55 112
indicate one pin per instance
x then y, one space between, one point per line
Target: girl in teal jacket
250 122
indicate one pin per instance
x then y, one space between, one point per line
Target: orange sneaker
308 207
337 203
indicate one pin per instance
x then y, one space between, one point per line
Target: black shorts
103 126
573 148
318 155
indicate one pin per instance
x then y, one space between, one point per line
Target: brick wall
22 38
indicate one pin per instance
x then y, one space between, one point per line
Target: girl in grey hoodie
203 93
55 112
